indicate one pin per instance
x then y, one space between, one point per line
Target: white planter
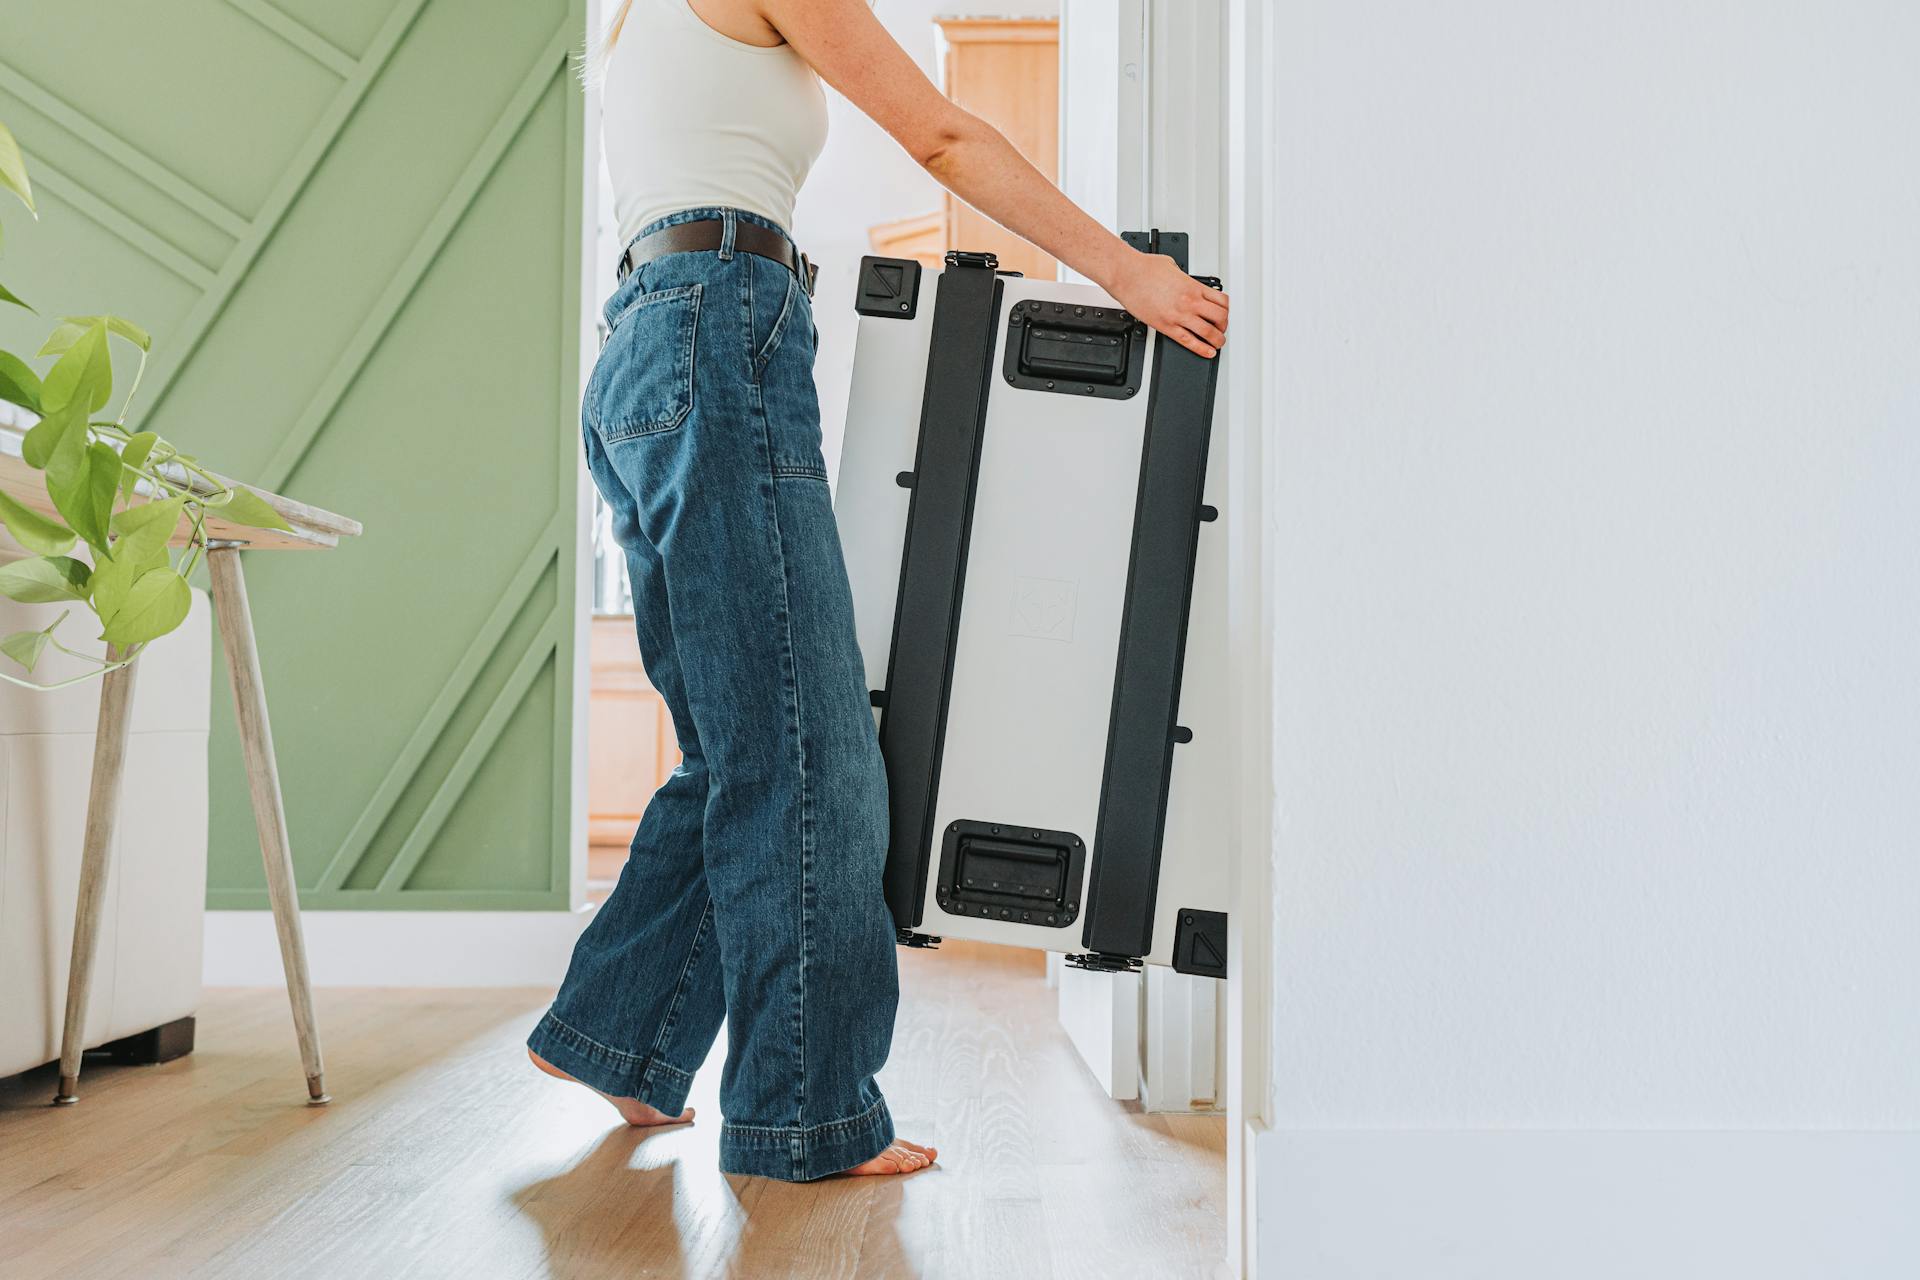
148 972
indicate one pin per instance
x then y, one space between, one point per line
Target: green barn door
354 229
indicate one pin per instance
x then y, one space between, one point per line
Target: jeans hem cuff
804 1154
612 1071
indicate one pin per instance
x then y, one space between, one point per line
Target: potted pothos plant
122 493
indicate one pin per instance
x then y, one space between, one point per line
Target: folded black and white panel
1040 602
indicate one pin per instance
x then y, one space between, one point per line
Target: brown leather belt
705 235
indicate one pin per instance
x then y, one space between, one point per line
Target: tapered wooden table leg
263 782
96 858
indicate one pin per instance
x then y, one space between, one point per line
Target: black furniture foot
161 1044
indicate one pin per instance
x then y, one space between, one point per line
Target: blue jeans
753 889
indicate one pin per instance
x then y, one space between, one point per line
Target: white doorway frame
1184 84
1249 38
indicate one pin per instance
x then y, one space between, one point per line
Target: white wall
1597 425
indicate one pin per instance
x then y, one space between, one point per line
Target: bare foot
901 1157
632 1110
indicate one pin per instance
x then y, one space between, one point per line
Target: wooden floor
445 1154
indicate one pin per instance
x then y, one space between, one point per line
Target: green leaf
125 328
8 295
249 508
57 442
84 495
84 375
61 340
44 580
110 584
39 534
13 168
143 532
25 647
157 603
72 328
18 382
133 456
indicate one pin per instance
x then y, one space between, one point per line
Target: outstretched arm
849 48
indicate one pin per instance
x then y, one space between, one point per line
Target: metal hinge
1105 962
908 938
965 258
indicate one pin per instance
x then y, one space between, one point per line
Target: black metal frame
1144 729
933 569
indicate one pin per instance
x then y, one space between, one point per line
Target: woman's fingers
1186 338
1208 333
1211 311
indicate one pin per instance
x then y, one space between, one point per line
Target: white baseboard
1588 1205
399 948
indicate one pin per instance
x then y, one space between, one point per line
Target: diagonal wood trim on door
299 172
396 743
472 756
426 247
299 36
452 693
111 218
117 149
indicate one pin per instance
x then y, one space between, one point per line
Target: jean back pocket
643 381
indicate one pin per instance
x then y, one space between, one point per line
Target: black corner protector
889 287
925 941
1182 734
1208 514
904 479
1200 943
877 697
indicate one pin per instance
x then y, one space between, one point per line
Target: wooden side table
312 529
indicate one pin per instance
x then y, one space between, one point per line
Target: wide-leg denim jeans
753 890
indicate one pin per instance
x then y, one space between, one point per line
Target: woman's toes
895 1159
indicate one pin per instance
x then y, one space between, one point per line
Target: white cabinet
148 971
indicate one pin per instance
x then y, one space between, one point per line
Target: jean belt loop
728 224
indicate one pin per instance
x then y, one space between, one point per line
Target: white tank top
693 117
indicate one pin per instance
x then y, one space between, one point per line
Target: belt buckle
808 273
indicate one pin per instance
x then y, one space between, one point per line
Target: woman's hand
1157 291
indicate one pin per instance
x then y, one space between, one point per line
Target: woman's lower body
753 890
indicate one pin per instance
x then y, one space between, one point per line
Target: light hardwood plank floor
445 1154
